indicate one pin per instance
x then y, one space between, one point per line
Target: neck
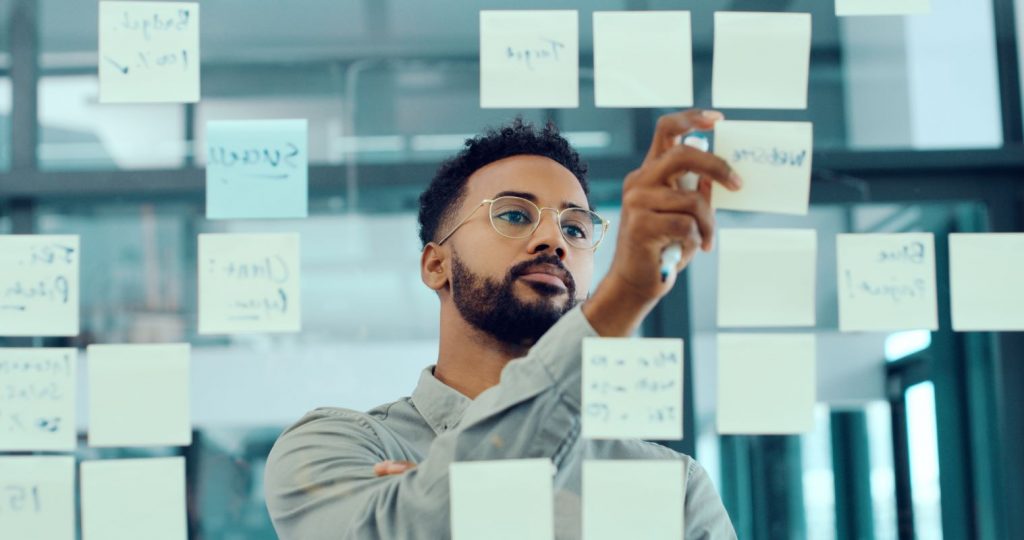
470 361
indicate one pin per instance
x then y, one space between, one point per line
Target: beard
492 306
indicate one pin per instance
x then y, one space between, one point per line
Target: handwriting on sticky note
149 52
37 497
249 283
529 59
632 388
886 282
39 285
37 399
257 169
774 160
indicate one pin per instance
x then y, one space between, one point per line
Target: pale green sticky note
766 383
986 289
774 160
129 499
886 282
761 60
39 285
529 59
632 388
766 277
37 400
139 395
149 52
643 59
257 169
510 499
845 8
633 499
249 283
38 498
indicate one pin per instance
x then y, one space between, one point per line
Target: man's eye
515 216
575 231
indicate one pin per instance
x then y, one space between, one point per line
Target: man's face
515 289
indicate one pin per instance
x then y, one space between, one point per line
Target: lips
546 274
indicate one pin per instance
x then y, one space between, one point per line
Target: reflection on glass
924 460
883 476
819 478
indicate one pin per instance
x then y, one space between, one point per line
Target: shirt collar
440 405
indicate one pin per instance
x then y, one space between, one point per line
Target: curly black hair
446 190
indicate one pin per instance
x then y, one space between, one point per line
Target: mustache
521 268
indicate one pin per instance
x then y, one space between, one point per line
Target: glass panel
5 122
883 474
819 477
924 460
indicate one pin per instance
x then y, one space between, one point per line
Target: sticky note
774 160
986 289
37 498
766 383
633 499
766 277
502 500
643 59
249 283
257 169
149 52
37 400
886 282
632 388
138 395
129 499
845 8
761 60
529 59
39 285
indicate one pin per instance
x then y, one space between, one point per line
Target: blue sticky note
257 169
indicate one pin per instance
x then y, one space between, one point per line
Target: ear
434 267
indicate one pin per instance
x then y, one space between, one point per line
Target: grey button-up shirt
320 482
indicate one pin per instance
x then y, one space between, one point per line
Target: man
509 240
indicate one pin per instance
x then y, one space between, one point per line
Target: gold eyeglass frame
540 212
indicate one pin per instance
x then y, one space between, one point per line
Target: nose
548 236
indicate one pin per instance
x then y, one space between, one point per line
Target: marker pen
688 181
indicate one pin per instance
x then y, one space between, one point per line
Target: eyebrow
533 198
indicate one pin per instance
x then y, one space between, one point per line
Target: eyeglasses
515 217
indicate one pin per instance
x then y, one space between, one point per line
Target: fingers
389 467
682 159
671 201
671 126
679 229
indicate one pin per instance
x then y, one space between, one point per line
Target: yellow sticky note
632 388
633 499
39 285
886 282
129 499
529 59
149 52
249 283
774 160
766 383
986 289
766 277
643 59
846 8
37 399
509 499
139 395
38 499
761 60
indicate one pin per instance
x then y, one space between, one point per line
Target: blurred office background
918 127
